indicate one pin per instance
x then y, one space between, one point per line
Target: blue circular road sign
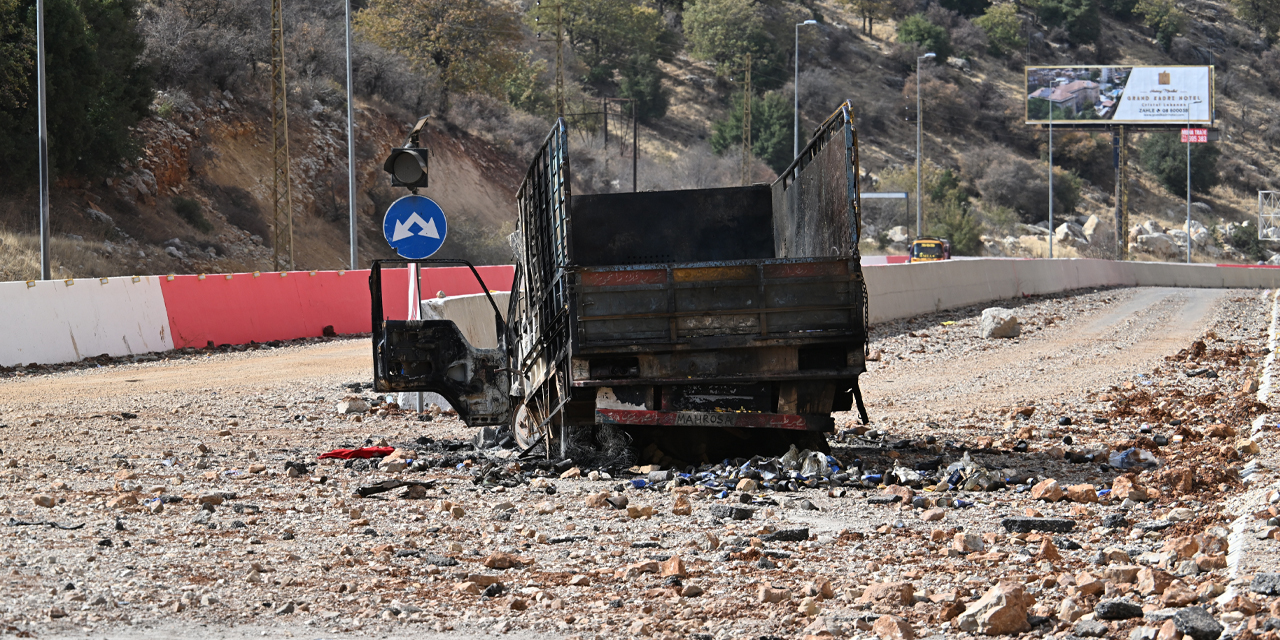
415 227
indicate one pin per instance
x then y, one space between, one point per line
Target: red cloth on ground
366 452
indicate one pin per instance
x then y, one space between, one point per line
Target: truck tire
526 426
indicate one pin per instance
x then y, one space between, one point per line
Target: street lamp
1188 135
795 150
1051 232
919 199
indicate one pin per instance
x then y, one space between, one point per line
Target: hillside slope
215 153
198 197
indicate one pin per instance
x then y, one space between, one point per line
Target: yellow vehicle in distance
930 249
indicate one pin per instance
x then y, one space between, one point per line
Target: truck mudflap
645 418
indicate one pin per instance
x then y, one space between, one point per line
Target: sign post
1195 135
415 227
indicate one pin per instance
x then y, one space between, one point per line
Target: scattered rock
998 322
1027 525
1047 490
729 512
892 628
1196 623
1117 610
1002 610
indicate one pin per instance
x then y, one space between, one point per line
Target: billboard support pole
1115 161
1122 202
1051 178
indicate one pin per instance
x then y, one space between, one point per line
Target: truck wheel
525 427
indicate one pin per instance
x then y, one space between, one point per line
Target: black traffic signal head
408 164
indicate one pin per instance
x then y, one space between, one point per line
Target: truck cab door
433 355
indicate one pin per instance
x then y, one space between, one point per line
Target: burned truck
681 317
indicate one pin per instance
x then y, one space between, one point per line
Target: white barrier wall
64 321
906 290
472 313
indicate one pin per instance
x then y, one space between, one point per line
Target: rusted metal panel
708 274
815 200
623 278
793 270
713 419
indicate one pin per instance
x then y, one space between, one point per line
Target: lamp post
46 260
919 197
795 149
1051 232
351 151
1189 178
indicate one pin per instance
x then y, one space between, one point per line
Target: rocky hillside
197 197
198 200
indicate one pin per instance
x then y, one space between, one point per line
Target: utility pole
351 149
281 196
560 59
746 126
45 258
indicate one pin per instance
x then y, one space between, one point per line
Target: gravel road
182 518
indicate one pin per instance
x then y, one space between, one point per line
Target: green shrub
771 129
189 210
642 82
1003 28
1165 155
1245 240
918 30
1080 18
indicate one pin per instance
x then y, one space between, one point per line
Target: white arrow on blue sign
415 227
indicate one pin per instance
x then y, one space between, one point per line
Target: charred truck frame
712 310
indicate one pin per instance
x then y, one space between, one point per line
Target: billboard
1119 95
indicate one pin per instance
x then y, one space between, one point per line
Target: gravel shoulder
278 554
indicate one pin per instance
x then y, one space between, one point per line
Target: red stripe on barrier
244 308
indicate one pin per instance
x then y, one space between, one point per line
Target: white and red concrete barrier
67 320
63 321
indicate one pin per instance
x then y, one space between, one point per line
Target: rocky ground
1134 498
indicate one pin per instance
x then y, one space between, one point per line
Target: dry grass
20 258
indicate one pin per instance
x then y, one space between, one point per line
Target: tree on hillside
1003 27
1164 16
642 82
97 87
1080 18
771 129
1263 15
471 43
1165 155
725 31
967 8
607 35
17 49
870 11
931 37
